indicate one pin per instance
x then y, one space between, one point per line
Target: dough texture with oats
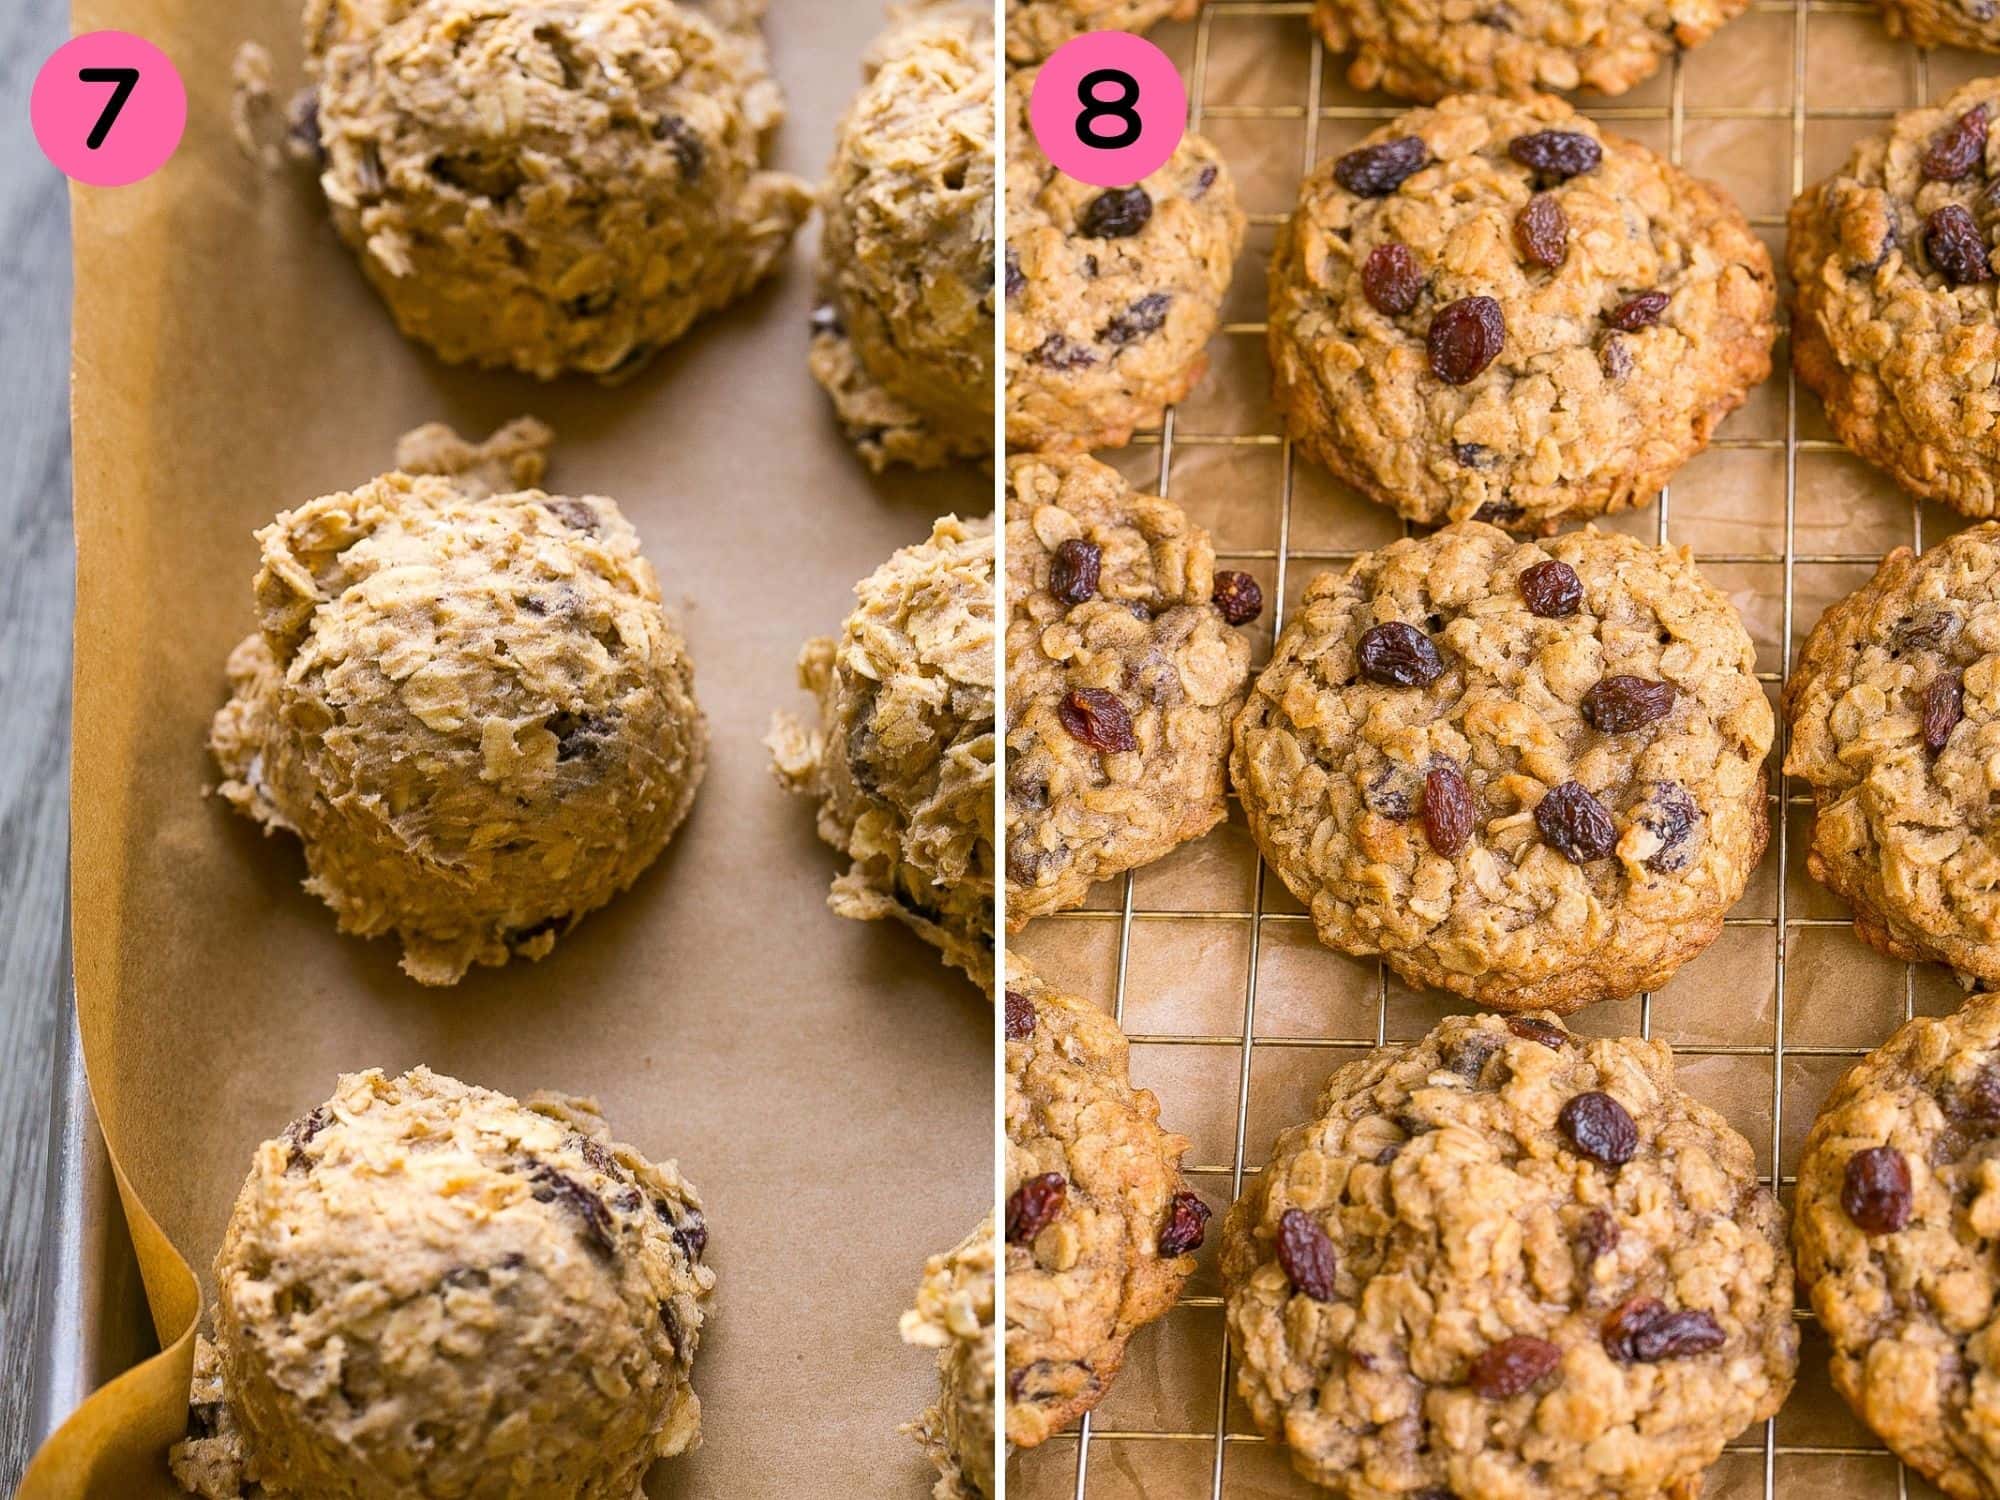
1101 1227
903 338
954 1315
1112 294
1452 359
563 186
1420 709
1122 677
1894 325
901 759
466 702
1894 710
1037 28
1898 1214
1426 49
428 1287
1505 1260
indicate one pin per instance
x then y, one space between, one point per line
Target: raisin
1513 1366
1643 1331
1017 280
1390 279
577 735
1926 634
1377 171
670 1324
1472 456
1468 1054
1465 337
300 1134
1613 358
1306 1254
1098 719
1074 571
1673 816
1876 1190
1387 801
1034 1206
1599 1127
1143 317
1642 311
1956 247
577 515
1618 704
552 1186
685 143
1557 154
1057 353
1448 812
1116 215
690 1232
1958 148
1398 655
1980 1099
1238 596
1598 1235
1541 229
1551 590
595 1153
1575 823
1187 1225
1202 183
1533 1029
1944 706
304 129
1020 1016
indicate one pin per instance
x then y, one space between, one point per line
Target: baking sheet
827 1084
1237 1014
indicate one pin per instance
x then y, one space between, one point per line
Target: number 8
1123 109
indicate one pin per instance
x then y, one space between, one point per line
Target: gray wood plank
35 608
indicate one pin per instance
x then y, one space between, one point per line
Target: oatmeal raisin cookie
954 1315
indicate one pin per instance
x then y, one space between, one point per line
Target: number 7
126 79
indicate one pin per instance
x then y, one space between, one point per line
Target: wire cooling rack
1235 1013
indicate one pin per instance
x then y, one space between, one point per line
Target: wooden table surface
35 602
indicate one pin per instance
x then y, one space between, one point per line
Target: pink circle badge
1109 108
108 108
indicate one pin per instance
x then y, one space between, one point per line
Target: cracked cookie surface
901 759
1898 1215
1037 28
1101 1227
466 702
427 1286
1894 711
1112 294
1461 1278
903 340
1458 333
1894 319
1529 774
563 186
954 1315
1426 49
1122 677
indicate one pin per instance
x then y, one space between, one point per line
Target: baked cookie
1532 775
430 1288
903 337
1123 672
901 759
564 186
1944 23
1101 1227
1426 49
1506 1260
1493 308
1894 710
1894 323
954 1315
1898 1213
1112 294
465 700
1036 28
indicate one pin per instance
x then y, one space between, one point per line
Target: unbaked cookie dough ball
465 700
431 1288
954 1315
549 187
903 338
1037 28
901 758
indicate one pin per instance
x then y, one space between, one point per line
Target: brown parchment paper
1236 1012
827 1084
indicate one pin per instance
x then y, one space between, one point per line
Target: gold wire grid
1186 1437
